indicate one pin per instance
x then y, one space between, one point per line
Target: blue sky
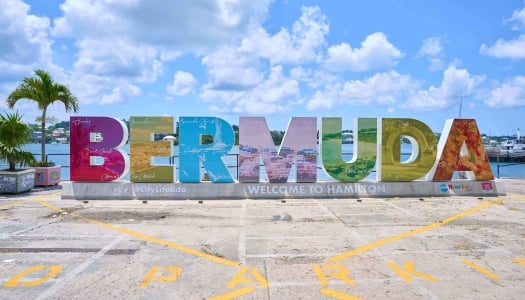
277 59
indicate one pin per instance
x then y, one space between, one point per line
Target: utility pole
460 106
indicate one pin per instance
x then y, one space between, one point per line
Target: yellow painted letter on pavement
15 281
240 277
332 271
172 271
409 268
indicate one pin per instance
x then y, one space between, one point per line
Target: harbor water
59 154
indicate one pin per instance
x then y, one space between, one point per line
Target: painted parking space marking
248 279
16 203
520 261
412 232
242 235
21 202
146 237
481 269
234 294
74 273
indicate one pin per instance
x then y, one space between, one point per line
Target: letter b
94 149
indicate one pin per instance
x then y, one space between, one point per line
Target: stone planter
17 181
45 176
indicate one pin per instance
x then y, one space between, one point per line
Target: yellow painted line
15 204
338 295
20 202
148 238
410 233
520 261
234 294
481 269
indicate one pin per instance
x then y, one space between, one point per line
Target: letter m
298 146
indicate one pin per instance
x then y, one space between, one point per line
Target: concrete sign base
125 190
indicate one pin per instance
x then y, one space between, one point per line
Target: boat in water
508 150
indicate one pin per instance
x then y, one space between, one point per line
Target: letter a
461 149
241 278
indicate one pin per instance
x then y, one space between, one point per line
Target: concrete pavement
366 248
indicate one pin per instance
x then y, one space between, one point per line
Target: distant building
58 132
347 138
36 134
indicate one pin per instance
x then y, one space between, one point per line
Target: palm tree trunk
12 164
43 138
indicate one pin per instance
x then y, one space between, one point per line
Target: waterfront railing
232 163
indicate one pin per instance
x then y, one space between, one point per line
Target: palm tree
13 134
44 91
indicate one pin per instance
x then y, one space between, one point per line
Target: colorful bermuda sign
97 155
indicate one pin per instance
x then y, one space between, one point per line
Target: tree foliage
43 90
13 135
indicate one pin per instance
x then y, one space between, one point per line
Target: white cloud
456 83
435 64
376 52
117 57
432 50
509 94
302 44
380 89
119 94
431 47
237 78
518 18
228 69
92 89
275 93
24 41
390 89
183 83
514 49
106 70
120 43
163 23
